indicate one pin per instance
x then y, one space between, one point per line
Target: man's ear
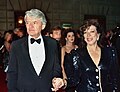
43 26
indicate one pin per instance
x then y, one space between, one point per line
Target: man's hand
57 84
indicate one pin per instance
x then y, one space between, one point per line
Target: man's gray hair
36 14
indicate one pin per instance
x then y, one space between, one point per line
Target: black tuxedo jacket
22 76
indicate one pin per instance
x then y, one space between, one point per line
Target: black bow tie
32 40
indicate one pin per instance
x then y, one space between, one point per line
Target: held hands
57 84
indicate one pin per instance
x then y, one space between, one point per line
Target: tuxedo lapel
46 47
26 55
46 55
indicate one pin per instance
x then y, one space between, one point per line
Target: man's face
34 26
56 34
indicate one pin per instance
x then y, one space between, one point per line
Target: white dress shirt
37 54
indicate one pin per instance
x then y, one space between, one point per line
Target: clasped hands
58 83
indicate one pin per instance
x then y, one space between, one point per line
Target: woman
68 45
97 69
8 38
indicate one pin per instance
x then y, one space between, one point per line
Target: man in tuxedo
34 64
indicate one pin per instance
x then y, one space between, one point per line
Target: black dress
87 77
69 69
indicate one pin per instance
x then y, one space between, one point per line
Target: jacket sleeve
115 71
57 67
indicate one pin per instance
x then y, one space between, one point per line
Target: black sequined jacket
87 77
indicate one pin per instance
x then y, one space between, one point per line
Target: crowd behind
111 38
67 39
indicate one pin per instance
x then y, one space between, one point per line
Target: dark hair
55 28
95 23
64 35
90 22
9 31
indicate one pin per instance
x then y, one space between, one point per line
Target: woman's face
8 37
91 36
70 37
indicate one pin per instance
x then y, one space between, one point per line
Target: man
56 33
34 64
20 32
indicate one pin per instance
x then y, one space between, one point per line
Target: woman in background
8 38
68 45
